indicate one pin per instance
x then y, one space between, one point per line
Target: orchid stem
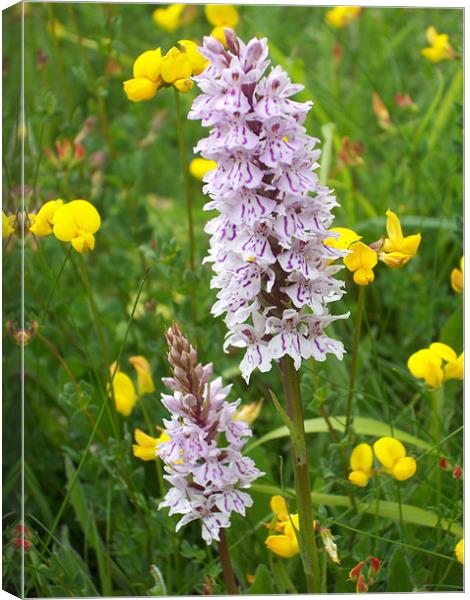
308 545
355 353
227 569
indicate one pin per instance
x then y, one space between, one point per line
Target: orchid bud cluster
271 265
202 457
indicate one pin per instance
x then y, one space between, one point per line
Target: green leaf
399 573
263 583
362 426
385 509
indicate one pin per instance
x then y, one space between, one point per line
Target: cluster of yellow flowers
436 364
285 542
219 16
395 251
123 390
75 222
152 71
390 453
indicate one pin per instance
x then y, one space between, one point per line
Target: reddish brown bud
457 472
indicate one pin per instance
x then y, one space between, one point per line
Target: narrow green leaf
386 509
362 426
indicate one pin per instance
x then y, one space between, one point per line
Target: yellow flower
147 76
345 239
391 453
169 18
177 69
123 392
198 167
198 62
440 49
280 510
146 447
7 223
341 16
285 544
248 412
459 551
361 261
222 16
427 364
398 250
145 383
41 224
76 222
457 277
361 465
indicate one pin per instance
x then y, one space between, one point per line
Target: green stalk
186 182
227 569
354 356
307 541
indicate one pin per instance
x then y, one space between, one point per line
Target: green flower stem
308 545
354 356
186 182
437 399
227 569
187 193
54 286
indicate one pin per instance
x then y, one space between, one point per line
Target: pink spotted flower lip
272 268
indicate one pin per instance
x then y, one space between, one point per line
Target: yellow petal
361 256
359 478
345 239
426 365
175 65
140 89
42 222
454 370
410 244
198 167
198 62
279 508
145 383
394 260
144 453
148 65
143 439
388 451
459 551
404 468
363 276
75 217
7 229
341 16
457 278
431 34
248 412
124 393
83 242
362 458
222 14
282 545
169 18
394 231
183 85
443 351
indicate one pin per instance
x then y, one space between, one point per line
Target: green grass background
110 532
